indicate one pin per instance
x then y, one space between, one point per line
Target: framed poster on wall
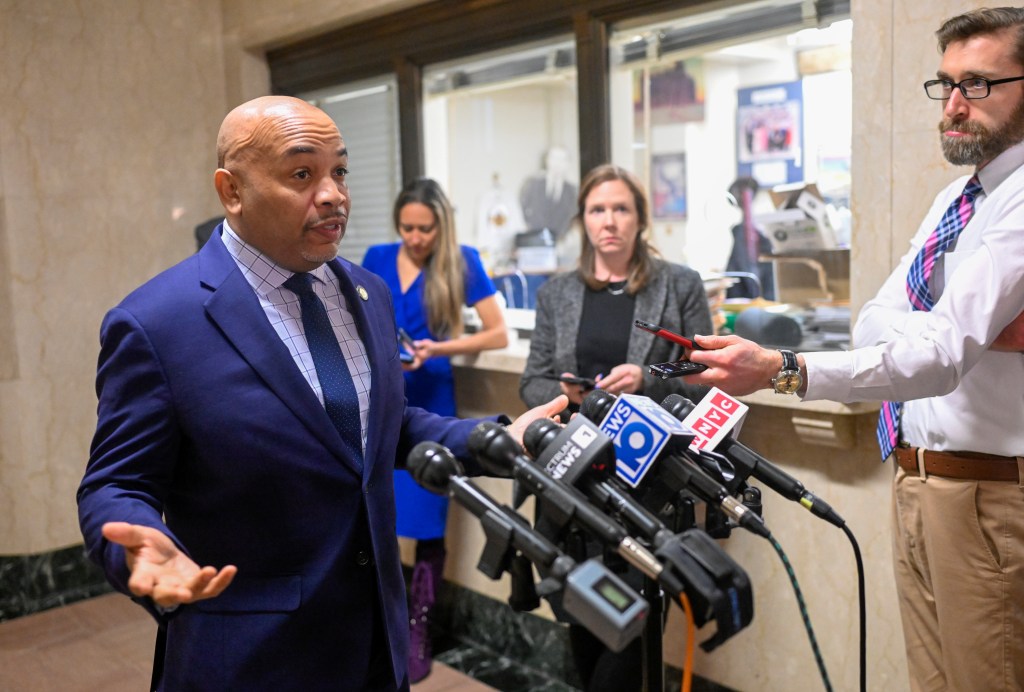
668 186
769 131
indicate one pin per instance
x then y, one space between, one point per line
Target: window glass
366 114
739 122
501 135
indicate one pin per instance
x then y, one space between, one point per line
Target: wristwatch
789 380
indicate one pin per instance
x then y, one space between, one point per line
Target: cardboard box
800 222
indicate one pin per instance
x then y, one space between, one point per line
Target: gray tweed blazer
675 299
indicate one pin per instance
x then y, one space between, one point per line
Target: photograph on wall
668 186
677 93
770 134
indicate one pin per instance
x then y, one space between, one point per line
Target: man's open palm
163 572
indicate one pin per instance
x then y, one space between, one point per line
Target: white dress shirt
960 395
281 307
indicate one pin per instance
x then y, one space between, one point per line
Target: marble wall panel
270 22
870 260
107 138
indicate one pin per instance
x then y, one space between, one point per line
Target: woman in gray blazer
584 318
585 328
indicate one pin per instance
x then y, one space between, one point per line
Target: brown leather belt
971 466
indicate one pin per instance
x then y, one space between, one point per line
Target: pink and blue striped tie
920 294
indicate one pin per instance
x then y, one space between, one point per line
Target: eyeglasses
972 88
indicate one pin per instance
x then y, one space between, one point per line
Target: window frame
401 43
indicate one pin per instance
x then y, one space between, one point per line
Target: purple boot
422 594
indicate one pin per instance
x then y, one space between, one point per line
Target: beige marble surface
269 23
106 157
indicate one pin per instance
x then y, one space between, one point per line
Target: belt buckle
922 474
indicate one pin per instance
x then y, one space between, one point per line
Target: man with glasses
944 336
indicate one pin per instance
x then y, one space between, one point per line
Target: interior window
501 136
739 122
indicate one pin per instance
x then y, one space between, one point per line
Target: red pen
666 334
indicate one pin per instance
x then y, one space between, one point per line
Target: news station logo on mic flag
572 444
640 429
714 418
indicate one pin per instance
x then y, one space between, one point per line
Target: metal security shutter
367 116
737 22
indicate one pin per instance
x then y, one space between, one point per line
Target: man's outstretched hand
550 409
736 366
161 571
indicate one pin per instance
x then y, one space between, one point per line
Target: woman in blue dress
431 277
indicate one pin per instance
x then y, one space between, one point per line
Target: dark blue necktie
339 392
920 294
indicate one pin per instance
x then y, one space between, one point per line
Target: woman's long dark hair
444 289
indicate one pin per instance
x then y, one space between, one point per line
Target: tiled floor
106 644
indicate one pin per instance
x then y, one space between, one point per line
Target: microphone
582 456
595 596
631 426
435 468
744 459
639 428
497 452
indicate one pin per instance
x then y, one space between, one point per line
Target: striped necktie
340 398
920 294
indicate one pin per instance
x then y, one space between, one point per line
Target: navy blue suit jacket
208 431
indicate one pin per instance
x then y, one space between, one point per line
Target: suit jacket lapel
568 324
234 307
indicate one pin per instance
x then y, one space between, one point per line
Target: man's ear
227 185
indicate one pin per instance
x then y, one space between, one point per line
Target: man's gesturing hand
161 571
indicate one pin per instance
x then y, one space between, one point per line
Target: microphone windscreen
494 448
539 434
678 405
596 405
432 465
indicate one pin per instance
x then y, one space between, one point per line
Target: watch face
788 382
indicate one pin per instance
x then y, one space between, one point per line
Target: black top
605 326
740 261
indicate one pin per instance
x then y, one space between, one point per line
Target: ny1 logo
639 429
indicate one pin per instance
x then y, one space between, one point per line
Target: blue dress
422 514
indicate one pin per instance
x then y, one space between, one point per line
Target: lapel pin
362 293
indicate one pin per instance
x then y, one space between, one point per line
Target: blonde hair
641 264
444 290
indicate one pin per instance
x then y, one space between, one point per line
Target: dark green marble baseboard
513 651
32 583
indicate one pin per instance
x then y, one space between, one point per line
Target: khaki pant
958 548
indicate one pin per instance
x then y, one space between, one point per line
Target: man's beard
983 144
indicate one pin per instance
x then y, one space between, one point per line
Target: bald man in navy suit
218 492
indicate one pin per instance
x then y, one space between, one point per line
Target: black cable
863 610
803 614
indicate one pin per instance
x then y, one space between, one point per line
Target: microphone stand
651 638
